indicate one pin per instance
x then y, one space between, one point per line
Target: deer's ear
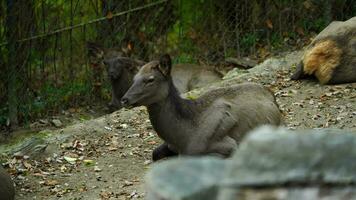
165 64
128 49
95 50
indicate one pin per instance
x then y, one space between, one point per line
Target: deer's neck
121 84
173 118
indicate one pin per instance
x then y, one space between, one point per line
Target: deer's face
151 85
114 67
110 57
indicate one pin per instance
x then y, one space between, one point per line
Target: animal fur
331 57
121 70
7 190
212 124
322 60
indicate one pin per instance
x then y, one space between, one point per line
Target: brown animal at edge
212 124
331 57
7 190
121 70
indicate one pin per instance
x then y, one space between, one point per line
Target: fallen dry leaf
50 183
269 24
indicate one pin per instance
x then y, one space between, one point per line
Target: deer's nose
124 101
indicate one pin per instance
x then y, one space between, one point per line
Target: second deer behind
121 70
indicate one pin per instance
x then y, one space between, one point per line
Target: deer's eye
150 79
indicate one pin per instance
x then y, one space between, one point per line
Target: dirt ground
107 157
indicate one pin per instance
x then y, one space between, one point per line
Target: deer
331 56
212 124
121 70
7 190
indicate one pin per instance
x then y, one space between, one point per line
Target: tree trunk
12 82
19 20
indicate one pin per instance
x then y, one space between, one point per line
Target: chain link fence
45 65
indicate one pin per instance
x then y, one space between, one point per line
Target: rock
269 68
30 147
234 72
244 63
35 125
278 156
97 169
273 163
185 179
293 193
57 123
43 121
271 157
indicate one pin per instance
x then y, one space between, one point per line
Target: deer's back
252 105
245 93
346 72
331 55
187 77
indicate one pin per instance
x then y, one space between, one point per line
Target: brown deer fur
212 124
322 60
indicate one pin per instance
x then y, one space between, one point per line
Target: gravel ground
107 157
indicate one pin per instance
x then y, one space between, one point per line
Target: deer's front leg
114 104
213 135
162 151
223 148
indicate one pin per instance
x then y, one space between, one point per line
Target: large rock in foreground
270 163
185 178
270 156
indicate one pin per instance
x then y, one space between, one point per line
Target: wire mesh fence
45 65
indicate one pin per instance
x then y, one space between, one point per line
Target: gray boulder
277 156
185 178
270 163
293 163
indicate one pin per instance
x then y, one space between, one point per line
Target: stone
43 121
57 123
244 62
269 68
31 147
273 163
293 193
234 73
310 159
185 178
278 156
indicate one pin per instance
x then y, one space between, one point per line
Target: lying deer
212 124
7 190
331 57
121 70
